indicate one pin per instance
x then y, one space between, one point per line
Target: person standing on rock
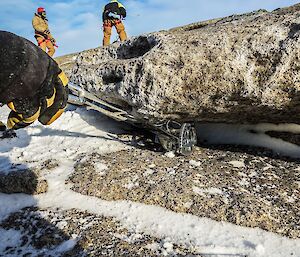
112 16
31 83
42 33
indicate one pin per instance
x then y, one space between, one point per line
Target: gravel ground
44 231
252 188
245 186
27 181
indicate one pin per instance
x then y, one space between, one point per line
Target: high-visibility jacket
41 27
113 7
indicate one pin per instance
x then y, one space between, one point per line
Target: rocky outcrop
67 62
26 181
46 231
242 68
254 188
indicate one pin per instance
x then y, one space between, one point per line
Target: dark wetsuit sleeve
46 108
28 80
24 67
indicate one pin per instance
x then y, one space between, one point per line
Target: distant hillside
66 62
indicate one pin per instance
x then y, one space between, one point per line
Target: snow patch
65 246
81 132
201 233
100 168
170 154
237 164
207 191
195 163
220 133
9 238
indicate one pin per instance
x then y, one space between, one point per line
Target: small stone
237 164
195 163
170 154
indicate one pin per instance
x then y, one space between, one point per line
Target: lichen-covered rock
243 68
255 188
66 62
27 181
23 181
45 232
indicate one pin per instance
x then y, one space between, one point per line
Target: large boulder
242 68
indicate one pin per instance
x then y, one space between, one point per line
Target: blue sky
77 24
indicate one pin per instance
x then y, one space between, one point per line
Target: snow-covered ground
84 132
219 133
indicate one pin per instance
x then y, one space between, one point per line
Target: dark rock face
241 69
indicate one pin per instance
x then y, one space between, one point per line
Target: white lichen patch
188 204
171 171
207 191
267 167
100 168
170 154
131 185
195 163
237 164
148 172
244 182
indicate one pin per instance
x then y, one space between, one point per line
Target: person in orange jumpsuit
112 16
42 33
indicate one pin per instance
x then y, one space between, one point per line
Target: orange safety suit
107 27
112 14
42 34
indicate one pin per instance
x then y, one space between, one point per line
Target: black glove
53 41
9 133
2 126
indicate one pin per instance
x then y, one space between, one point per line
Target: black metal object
177 137
172 135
